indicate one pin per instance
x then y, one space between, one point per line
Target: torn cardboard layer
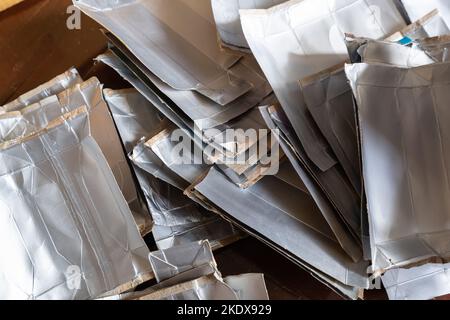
424 282
436 47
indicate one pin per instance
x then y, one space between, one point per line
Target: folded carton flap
50 88
170 262
417 9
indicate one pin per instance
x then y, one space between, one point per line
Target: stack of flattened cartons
317 126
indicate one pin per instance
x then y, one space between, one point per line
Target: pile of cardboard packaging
317 126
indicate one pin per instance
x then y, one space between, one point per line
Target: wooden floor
35 46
